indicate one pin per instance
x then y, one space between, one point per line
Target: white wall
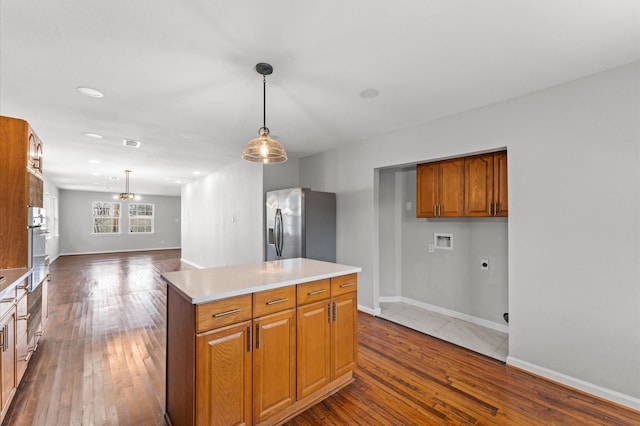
51 203
574 228
76 225
230 205
222 217
281 176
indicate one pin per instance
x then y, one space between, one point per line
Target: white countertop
13 277
204 285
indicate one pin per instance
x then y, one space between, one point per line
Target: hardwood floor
101 362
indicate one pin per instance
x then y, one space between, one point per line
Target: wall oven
37 235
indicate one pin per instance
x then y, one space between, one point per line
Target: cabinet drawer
344 284
276 300
7 300
313 291
23 355
21 289
22 318
223 312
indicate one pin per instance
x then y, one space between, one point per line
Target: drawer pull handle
39 334
311 293
346 285
224 314
25 317
5 338
8 300
27 357
275 302
23 287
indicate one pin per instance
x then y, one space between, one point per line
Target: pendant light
264 149
126 195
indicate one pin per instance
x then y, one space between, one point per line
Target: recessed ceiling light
130 143
178 181
196 172
369 93
95 174
94 161
114 178
93 135
88 91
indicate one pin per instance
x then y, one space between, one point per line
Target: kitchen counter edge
13 277
305 270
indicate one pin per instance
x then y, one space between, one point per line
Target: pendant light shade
126 195
264 149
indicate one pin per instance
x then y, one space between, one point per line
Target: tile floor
486 341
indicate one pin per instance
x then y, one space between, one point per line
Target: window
106 218
140 218
51 207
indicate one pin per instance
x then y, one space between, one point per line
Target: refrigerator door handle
279 237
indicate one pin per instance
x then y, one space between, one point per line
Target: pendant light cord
264 101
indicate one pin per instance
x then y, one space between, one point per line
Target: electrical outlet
484 265
431 248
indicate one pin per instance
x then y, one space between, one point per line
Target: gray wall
448 279
573 228
76 225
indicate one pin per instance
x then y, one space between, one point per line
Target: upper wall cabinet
474 186
485 182
440 189
21 186
34 154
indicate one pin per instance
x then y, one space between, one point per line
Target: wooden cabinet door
274 363
223 376
7 358
478 193
440 189
500 186
314 347
426 190
486 191
451 188
344 335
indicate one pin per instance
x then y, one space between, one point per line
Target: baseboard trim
116 251
190 263
455 314
374 312
610 395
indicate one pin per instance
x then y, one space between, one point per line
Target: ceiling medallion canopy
264 149
126 195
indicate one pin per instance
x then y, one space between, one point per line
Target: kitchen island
258 344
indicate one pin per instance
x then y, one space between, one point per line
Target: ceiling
179 76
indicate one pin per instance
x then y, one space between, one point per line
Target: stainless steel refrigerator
300 223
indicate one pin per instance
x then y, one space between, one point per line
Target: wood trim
180 371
